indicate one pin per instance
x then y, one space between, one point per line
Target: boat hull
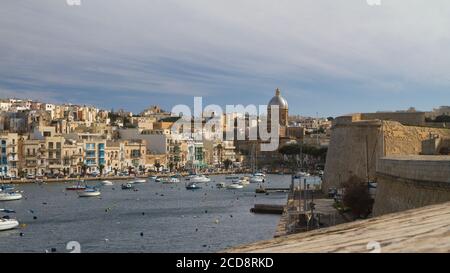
88 194
10 197
6 224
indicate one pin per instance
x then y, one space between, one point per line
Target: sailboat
6 224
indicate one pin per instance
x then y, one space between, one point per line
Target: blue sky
329 56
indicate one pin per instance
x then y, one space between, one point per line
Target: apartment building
9 159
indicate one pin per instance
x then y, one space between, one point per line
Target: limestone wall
347 152
407 182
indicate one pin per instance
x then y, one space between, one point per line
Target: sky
328 57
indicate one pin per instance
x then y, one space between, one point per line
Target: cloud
319 52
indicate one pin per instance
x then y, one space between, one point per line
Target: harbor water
155 218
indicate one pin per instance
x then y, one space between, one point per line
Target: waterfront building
9 149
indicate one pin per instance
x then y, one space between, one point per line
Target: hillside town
47 140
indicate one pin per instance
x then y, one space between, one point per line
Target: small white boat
244 180
107 183
303 174
153 177
138 181
6 224
221 185
171 180
200 179
89 193
259 174
10 196
235 186
256 179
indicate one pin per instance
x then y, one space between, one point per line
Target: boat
234 186
201 179
171 180
153 177
10 196
303 174
6 224
221 185
127 186
193 186
107 183
77 187
138 181
244 180
89 193
6 188
256 179
259 174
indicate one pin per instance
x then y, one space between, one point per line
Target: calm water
170 218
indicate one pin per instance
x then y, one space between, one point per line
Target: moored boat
107 183
235 186
171 180
221 185
10 196
200 179
77 187
89 193
256 179
6 224
127 186
193 186
138 181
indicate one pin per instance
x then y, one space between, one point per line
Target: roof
278 100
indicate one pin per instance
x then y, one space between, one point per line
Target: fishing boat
193 186
6 224
235 186
221 185
127 186
107 183
77 187
201 179
89 193
10 196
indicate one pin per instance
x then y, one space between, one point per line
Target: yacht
6 224
89 193
10 196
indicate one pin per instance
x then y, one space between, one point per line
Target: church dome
278 100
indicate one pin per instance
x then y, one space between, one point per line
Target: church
251 149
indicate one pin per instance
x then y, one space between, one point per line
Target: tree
130 170
227 163
157 166
101 167
357 197
83 169
219 148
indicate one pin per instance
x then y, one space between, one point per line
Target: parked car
30 176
